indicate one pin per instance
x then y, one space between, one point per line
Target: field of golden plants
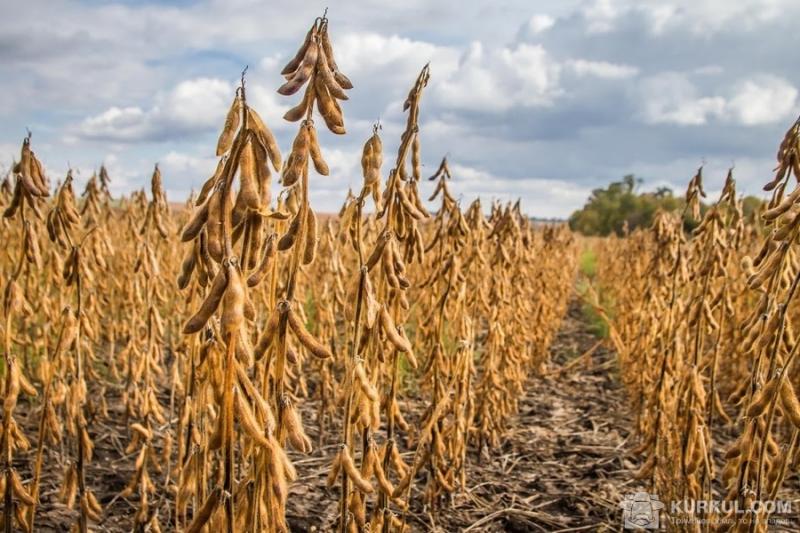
196 368
704 329
217 334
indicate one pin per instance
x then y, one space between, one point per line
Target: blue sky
539 100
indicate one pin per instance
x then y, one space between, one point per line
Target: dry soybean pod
209 305
306 338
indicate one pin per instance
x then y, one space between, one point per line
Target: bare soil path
563 467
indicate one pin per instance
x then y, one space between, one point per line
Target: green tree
610 209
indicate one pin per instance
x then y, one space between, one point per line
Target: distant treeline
607 210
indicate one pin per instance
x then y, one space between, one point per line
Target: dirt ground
562 467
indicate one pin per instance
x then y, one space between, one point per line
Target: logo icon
640 510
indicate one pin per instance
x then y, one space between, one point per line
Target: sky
543 100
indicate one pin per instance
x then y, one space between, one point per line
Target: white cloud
671 98
8 152
685 112
179 162
327 193
270 106
763 100
196 104
271 63
601 69
500 79
183 172
601 15
660 16
540 23
715 15
344 165
126 123
367 56
699 17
